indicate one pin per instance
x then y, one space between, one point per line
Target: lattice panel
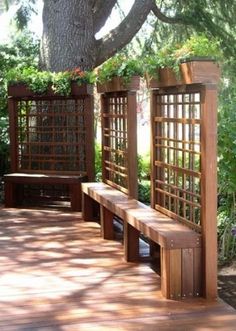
177 153
115 141
51 135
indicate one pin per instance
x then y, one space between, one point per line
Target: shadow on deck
58 274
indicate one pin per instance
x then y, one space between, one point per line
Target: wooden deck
58 274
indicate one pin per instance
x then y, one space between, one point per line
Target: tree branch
102 9
166 19
122 35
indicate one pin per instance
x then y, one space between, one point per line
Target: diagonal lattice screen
51 135
115 141
177 152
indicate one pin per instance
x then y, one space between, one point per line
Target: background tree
22 50
70 27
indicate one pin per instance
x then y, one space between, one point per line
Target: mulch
227 289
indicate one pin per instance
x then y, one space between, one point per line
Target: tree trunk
68 35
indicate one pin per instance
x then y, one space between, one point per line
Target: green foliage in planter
120 66
170 56
199 46
39 81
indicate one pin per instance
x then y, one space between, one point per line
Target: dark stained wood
184 174
132 167
117 84
131 243
177 267
119 141
195 71
175 276
198 270
75 196
188 272
12 135
51 134
155 225
88 206
14 187
89 137
165 272
106 219
22 90
209 188
59 274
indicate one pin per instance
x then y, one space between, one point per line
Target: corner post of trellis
105 141
209 188
89 137
132 144
12 133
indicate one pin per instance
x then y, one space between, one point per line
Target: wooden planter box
191 72
118 84
22 90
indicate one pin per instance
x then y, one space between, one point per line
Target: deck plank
57 273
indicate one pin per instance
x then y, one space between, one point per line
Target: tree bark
69 28
68 36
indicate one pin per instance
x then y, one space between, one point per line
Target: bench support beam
131 243
106 218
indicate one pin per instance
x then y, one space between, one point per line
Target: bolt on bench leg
131 243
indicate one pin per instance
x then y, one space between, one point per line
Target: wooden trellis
184 181
119 141
51 135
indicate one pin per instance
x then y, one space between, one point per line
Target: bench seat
13 184
180 245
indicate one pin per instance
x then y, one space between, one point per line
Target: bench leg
75 197
106 217
171 273
154 250
10 200
180 272
14 194
131 243
88 206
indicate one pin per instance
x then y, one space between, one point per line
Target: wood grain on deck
58 274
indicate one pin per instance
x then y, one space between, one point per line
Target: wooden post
104 121
106 217
75 196
132 145
209 188
153 157
87 207
13 127
89 137
131 243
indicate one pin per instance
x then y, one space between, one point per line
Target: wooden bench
181 271
14 185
